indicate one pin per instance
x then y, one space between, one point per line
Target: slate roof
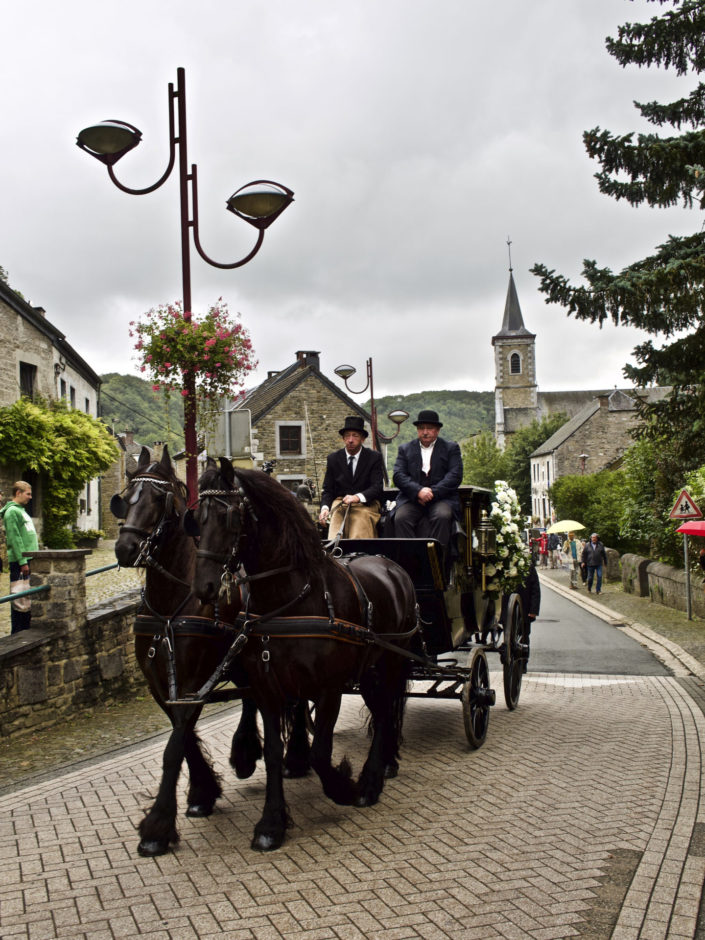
513 322
264 397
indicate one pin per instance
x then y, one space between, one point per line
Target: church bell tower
515 389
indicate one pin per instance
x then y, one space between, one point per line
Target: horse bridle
150 540
230 560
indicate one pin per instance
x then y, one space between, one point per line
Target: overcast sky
417 135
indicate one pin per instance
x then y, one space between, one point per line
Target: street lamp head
398 417
260 206
345 372
109 140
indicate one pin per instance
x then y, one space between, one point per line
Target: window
28 379
88 405
515 364
290 439
72 396
63 388
290 481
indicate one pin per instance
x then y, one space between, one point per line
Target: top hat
428 417
354 423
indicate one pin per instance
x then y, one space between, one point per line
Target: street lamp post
258 203
399 416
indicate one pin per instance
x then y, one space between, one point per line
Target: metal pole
373 410
189 379
688 600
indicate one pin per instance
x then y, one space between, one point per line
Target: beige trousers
361 522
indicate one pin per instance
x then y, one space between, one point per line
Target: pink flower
167 365
184 392
155 388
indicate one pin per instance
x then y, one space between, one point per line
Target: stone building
114 479
36 359
296 414
593 440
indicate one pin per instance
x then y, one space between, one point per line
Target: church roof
513 322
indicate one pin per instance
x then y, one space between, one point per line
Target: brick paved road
580 817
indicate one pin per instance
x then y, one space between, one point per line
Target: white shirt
426 454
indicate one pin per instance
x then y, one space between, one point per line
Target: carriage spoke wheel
515 652
477 699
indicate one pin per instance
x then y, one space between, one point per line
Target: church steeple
515 368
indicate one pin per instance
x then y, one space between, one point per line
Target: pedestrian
593 558
573 548
543 549
554 544
21 539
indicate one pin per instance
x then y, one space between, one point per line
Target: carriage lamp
258 203
486 536
486 543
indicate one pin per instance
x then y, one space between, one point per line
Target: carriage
461 624
259 611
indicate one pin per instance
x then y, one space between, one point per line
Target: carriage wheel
515 652
477 698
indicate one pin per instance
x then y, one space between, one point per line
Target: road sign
685 508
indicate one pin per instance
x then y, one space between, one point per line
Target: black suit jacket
445 476
368 479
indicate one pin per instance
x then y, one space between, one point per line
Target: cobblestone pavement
581 816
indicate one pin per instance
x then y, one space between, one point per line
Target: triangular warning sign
685 508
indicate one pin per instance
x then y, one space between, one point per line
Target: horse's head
151 505
219 521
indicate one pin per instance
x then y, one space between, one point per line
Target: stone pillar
63 609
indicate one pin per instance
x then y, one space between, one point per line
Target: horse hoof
151 848
265 843
199 810
243 770
390 771
295 771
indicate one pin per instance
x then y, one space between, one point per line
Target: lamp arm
353 392
172 156
196 238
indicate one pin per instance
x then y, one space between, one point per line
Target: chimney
308 357
604 401
41 311
129 437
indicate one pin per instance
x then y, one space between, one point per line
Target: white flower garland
510 566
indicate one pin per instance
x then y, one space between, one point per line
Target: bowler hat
428 417
354 423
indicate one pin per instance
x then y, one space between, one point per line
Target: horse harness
272 624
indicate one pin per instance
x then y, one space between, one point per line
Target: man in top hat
428 472
354 480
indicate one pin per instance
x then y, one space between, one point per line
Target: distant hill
463 414
128 403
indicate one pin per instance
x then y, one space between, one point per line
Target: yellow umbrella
566 525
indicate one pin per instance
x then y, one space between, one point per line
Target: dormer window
515 364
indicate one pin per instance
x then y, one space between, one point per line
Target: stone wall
603 437
70 657
662 583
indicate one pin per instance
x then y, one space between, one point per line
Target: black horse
312 627
179 645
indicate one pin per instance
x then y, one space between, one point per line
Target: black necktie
350 465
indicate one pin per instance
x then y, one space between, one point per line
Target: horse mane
158 469
296 538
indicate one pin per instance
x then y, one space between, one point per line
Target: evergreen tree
483 461
663 294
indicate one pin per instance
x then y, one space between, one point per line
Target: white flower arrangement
510 567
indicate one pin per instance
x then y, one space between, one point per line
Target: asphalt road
568 638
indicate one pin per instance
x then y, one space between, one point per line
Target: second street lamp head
399 416
261 202
109 140
344 372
